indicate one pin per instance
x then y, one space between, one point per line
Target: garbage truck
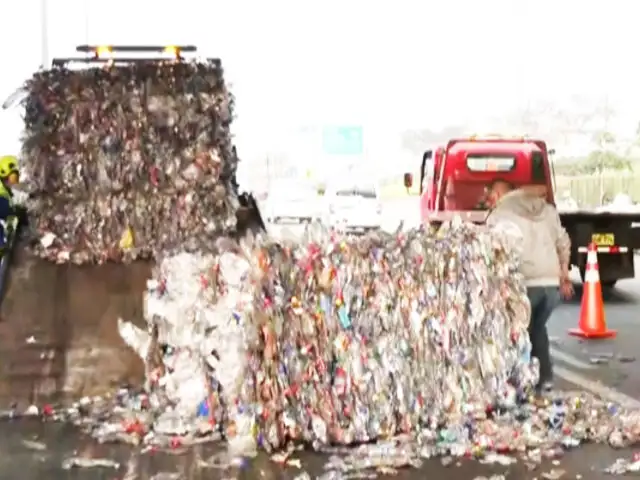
453 179
58 333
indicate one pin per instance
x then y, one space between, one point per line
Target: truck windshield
490 162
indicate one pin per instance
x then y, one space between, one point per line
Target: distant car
292 202
354 208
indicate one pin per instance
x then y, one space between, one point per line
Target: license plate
604 239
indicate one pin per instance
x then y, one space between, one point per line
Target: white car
292 203
353 208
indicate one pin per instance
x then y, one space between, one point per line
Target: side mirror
408 180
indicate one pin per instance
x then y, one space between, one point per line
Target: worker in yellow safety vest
9 177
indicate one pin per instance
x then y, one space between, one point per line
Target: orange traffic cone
592 319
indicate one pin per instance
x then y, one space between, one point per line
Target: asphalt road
605 367
37 452
608 367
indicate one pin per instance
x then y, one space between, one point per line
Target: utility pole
44 34
268 174
87 10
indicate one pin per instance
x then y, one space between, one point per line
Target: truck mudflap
58 330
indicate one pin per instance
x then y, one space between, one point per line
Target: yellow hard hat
8 165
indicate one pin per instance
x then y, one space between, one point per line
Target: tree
600 161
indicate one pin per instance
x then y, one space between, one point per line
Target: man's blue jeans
543 301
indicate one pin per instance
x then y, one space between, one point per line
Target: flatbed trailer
615 236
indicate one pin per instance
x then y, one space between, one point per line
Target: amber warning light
103 52
173 51
107 51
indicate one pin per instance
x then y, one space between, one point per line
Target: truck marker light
103 52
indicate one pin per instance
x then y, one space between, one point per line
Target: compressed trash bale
129 160
160 223
338 339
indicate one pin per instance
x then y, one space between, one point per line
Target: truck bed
582 224
586 215
615 235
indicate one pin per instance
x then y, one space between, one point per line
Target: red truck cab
453 178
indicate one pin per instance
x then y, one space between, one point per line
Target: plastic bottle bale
343 340
150 140
361 339
98 228
179 311
201 352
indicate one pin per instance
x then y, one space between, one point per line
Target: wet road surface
31 450
609 363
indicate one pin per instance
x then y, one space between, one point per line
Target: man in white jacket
545 258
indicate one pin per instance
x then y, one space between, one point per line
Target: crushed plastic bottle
81 462
557 414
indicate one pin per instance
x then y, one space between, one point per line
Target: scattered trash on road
622 466
626 359
34 445
79 462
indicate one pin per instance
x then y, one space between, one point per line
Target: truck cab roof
505 147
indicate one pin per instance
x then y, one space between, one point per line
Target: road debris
34 445
81 462
622 466
626 359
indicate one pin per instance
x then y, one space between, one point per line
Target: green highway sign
346 140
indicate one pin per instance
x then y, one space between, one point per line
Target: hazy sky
381 64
